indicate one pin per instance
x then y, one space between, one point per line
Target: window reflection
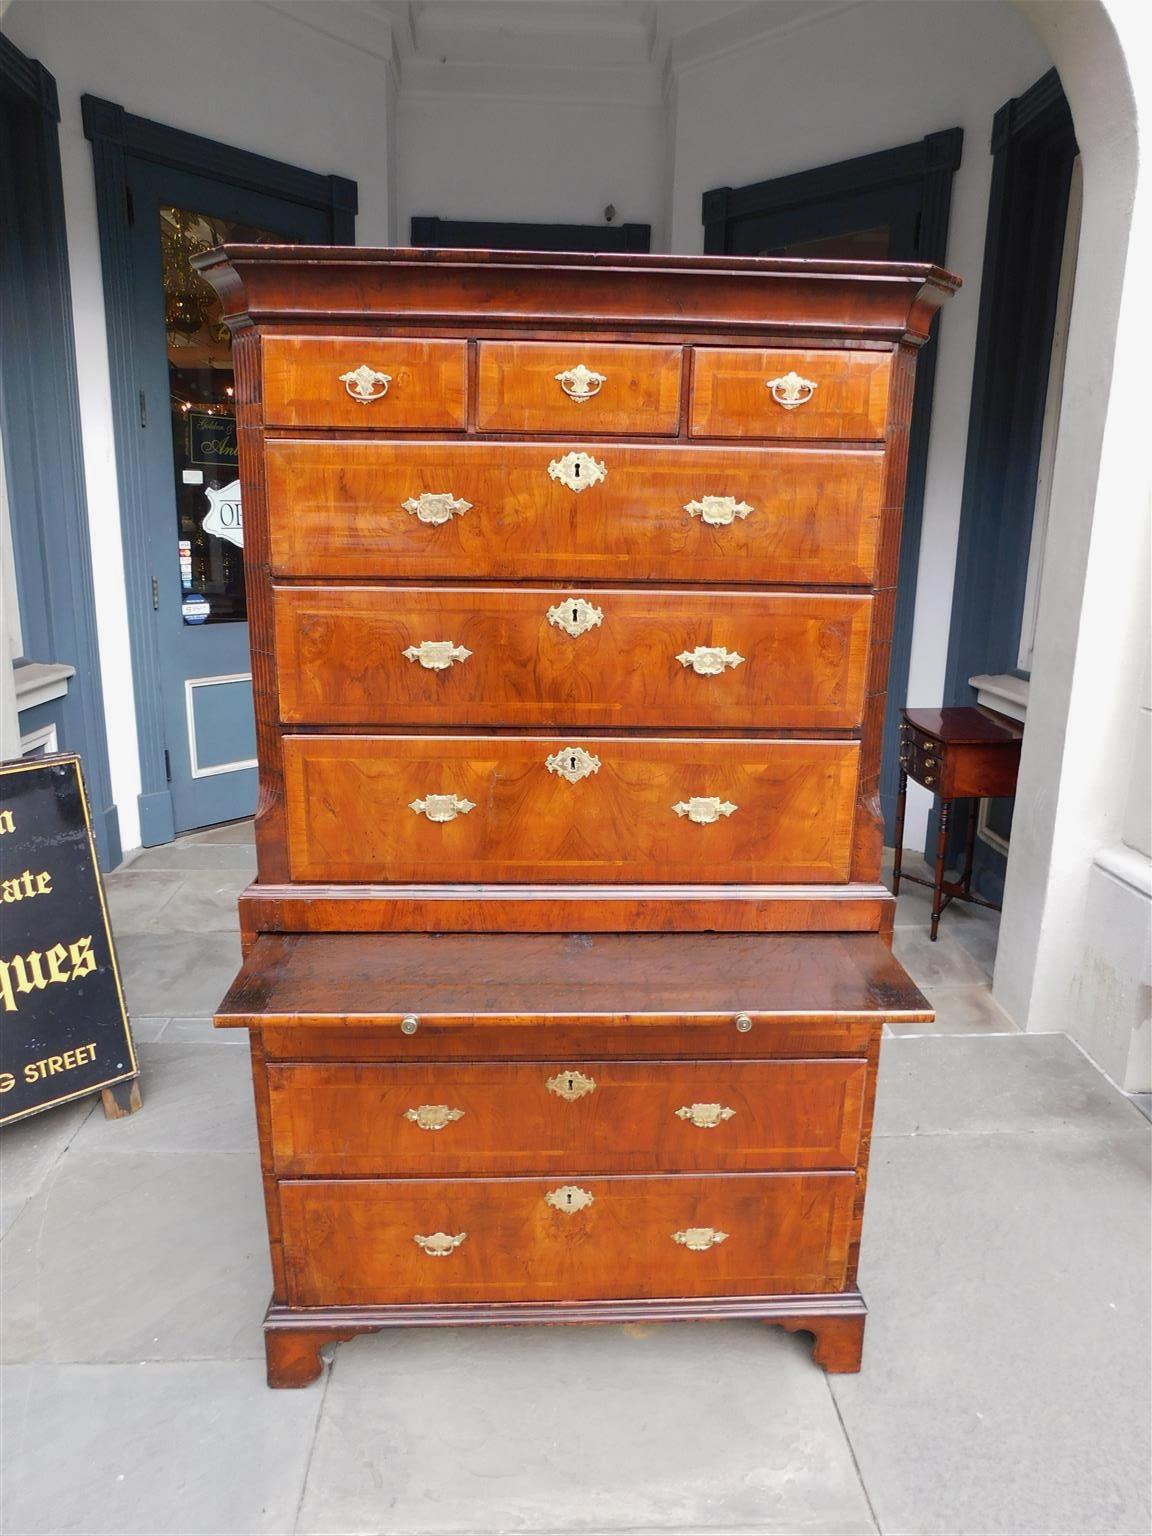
209 514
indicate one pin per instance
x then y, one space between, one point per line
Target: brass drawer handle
433 1117
438 1245
704 809
718 511
573 764
578 471
571 1085
790 390
580 383
699 1239
706 1116
929 779
437 655
442 807
436 507
710 660
569 1198
929 762
575 616
366 384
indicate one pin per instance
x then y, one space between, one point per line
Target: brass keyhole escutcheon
570 1085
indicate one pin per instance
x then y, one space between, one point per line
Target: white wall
244 73
860 81
529 159
1073 951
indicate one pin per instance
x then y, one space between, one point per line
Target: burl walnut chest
571 586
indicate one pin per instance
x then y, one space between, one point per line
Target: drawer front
548 656
363 1120
582 809
572 386
357 1242
470 509
364 382
745 392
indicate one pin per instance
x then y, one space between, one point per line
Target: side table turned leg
938 872
898 839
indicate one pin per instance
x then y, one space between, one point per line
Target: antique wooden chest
571 586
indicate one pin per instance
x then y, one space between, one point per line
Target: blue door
195 521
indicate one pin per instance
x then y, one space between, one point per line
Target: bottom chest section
364 1243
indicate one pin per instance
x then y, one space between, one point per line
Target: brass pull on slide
710 660
704 809
437 655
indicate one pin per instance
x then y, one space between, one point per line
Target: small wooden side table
958 754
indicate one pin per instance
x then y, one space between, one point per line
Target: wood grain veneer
396 962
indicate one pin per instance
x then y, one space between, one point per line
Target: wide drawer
356 1242
502 808
747 392
468 509
591 657
366 382
534 386
363 1119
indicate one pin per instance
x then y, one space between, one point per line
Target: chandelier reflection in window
192 313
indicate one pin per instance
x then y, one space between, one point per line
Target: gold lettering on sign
67 1061
7 823
21 887
36 970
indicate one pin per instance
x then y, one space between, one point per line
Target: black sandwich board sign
63 1027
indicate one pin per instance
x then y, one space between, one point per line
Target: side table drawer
362 1243
367 1120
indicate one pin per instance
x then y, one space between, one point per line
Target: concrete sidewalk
1005 1380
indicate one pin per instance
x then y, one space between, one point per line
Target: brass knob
743 1023
928 779
409 1024
929 762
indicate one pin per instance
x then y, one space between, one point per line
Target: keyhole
572 762
571 1083
568 1199
576 470
575 614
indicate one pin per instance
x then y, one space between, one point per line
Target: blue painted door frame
132 154
907 191
205 672
39 407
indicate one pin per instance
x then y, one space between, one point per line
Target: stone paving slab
177 974
1005 1382
196 1099
938 1085
130 1256
581 1429
189 1448
30 1149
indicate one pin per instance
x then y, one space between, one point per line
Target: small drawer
353 1120
371 383
493 656
572 386
364 1243
582 809
747 392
